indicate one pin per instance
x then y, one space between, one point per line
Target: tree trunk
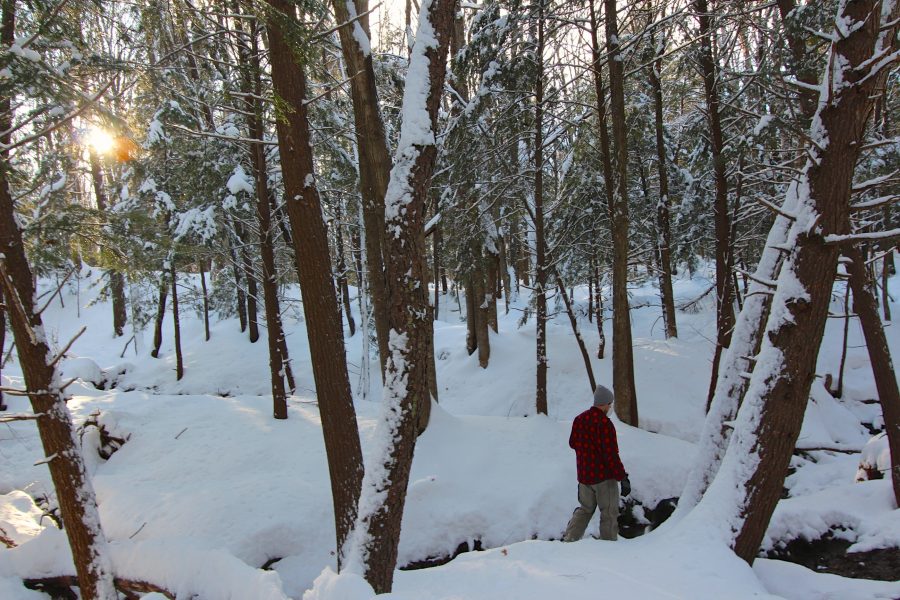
749 484
724 258
342 268
377 534
202 266
176 322
623 360
77 502
482 316
885 297
540 276
160 317
739 359
252 291
240 296
574 322
436 272
374 156
663 231
116 281
326 343
601 346
2 338
880 356
471 315
278 359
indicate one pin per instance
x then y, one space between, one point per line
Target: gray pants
603 495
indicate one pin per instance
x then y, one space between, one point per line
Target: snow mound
20 519
875 459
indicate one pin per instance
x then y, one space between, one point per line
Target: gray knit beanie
602 396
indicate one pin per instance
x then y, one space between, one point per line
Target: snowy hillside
210 495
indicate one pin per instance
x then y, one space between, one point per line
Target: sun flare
100 140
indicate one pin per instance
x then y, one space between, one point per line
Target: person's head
603 398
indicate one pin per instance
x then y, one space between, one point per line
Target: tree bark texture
326 343
623 357
377 534
750 480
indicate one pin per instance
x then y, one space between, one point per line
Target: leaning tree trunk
77 502
623 357
578 339
373 551
326 339
374 156
724 259
737 362
743 495
866 307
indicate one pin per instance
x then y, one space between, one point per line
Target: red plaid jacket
596 450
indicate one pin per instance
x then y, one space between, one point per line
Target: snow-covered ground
209 487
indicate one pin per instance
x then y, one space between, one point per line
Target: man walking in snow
599 469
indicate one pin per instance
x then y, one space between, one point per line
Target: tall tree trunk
116 281
274 330
880 356
749 483
540 276
377 534
623 359
160 317
374 156
724 258
663 231
176 322
326 340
